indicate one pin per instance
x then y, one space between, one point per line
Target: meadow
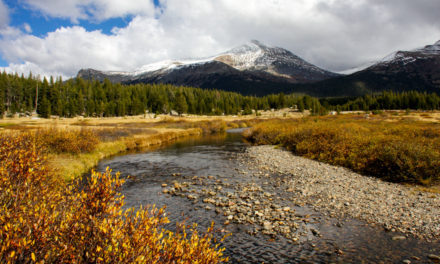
393 146
48 215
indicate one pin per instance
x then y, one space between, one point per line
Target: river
218 160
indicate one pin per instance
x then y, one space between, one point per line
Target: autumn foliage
399 151
67 140
45 220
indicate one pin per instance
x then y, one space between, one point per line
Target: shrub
211 127
68 141
44 220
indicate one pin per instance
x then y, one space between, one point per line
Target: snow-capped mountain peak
255 55
431 49
428 50
406 57
249 62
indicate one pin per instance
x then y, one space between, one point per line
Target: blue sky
59 37
40 24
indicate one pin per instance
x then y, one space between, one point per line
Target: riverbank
339 192
401 151
71 166
111 136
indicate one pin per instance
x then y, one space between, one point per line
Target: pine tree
181 105
2 107
44 108
301 106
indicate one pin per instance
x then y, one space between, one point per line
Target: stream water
217 157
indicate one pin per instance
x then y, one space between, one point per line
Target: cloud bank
4 15
333 34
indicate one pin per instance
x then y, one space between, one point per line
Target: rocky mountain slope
414 70
256 69
252 68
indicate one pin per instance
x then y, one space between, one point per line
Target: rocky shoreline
339 192
266 196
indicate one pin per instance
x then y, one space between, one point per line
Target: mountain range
258 69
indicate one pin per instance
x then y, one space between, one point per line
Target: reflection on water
351 242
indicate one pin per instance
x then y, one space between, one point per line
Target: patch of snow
430 49
160 66
389 57
251 56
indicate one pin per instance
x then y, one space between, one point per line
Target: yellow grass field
119 134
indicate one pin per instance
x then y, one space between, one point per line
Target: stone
406 261
267 225
192 197
209 200
177 186
399 238
314 231
434 257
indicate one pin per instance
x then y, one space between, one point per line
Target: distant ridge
252 68
413 70
258 69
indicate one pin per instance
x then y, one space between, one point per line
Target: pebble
434 257
339 192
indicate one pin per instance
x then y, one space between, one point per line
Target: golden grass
71 166
119 134
141 119
392 149
116 134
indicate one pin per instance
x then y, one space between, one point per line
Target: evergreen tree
181 105
301 106
44 108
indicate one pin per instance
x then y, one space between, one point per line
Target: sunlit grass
400 151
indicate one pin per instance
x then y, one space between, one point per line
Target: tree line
390 101
19 94
74 97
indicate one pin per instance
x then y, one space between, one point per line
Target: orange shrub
44 220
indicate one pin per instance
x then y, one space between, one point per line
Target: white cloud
29 67
4 15
336 34
27 28
97 10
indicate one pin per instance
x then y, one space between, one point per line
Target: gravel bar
339 192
